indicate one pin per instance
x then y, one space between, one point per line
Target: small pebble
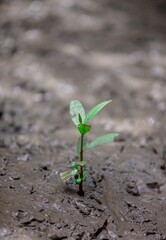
25 157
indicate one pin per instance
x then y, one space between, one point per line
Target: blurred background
53 51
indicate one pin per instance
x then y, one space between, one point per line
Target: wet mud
54 51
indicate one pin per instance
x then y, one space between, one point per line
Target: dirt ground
93 50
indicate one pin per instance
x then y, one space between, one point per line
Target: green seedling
79 172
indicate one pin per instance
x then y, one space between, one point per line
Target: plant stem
81 192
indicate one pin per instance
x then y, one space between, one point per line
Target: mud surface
54 51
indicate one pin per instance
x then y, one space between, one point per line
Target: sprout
80 119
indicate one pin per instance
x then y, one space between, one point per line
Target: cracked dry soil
54 51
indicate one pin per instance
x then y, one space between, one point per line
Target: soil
54 51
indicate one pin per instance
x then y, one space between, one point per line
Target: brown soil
54 51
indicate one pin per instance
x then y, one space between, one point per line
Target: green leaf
82 163
79 144
74 172
85 171
83 128
80 118
85 178
76 108
85 174
78 181
75 165
103 139
65 176
95 110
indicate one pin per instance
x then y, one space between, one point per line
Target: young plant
80 119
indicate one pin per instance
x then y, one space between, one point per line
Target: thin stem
81 192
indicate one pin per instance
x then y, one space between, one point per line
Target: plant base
80 193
